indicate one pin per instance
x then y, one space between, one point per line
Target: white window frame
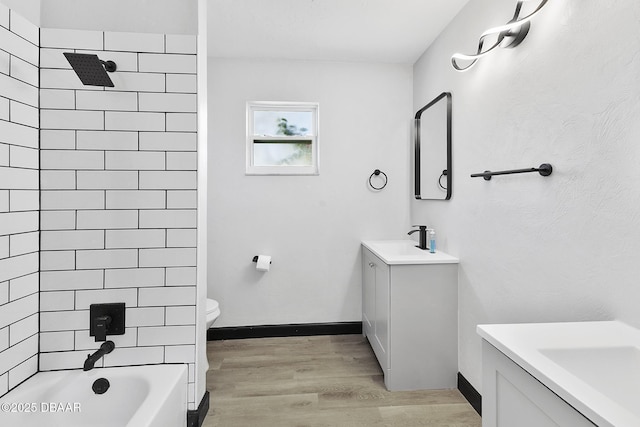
311 107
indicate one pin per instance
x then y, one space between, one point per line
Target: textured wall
118 185
311 225
536 249
19 200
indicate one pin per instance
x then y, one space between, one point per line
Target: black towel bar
545 169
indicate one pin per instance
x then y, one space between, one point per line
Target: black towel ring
376 173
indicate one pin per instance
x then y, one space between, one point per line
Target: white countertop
405 252
593 366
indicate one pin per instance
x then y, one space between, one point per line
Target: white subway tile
117 120
18 309
71 280
178 238
20 179
107 180
58 180
24 200
100 296
57 260
5 60
64 360
138 160
169 180
4 108
13 356
22 286
134 356
4 293
71 119
180 354
84 341
182 315
125 61
54 58
64 320
60 99
181 276
57 220
4 247
166 335
107 219
24 243
23 371
133 42
24 28
65 159
182 161
18 90
15 134
56 341
57 140
23 157
182 83
24 114
57 200
168 102
57 301
107 140
96 100
182 257
4 21
182 122
17 46
133 199
168 141
25 71
145 316
109 258
62 79
72 239
134 277
123 239
4 200
71 39
138 82
4 154
167 63
167 296
168 218
179 43
23 329
18 222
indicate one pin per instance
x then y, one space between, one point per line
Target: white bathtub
138 396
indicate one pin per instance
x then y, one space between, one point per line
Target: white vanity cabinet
410 316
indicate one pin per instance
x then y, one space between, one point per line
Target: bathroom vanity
410 313
574 374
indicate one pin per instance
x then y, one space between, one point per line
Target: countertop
404 252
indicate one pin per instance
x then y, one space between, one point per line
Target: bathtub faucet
106 348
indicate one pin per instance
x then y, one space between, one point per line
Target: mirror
433 149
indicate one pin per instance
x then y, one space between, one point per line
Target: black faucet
423 236
106 348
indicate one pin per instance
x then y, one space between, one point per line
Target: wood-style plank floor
317 381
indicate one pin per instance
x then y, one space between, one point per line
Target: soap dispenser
432 241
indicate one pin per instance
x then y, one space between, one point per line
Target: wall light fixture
508 35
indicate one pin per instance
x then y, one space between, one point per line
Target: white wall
140 16
536 249
311 225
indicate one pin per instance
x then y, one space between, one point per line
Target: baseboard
471 394
195 418
291 330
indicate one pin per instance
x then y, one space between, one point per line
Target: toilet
213 311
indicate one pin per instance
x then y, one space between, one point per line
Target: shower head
90 70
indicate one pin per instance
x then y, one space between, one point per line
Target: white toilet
213 311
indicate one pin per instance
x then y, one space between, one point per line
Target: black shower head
90 69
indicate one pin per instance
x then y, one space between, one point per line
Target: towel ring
376 173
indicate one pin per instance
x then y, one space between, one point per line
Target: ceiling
391 31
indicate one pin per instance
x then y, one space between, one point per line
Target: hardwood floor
317 381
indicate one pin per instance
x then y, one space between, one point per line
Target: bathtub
138 396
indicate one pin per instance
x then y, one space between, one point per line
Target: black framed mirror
433 150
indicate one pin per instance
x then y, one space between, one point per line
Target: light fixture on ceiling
509 35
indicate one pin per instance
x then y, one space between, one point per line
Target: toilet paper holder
255 259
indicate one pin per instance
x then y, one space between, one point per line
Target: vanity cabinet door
368 293
375 305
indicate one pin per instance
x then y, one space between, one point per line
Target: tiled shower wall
19 199
118 198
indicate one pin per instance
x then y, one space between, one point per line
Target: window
282 138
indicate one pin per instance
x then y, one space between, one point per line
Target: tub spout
106 348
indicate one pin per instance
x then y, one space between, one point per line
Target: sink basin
406 252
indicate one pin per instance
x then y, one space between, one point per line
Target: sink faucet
106 348
423 236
